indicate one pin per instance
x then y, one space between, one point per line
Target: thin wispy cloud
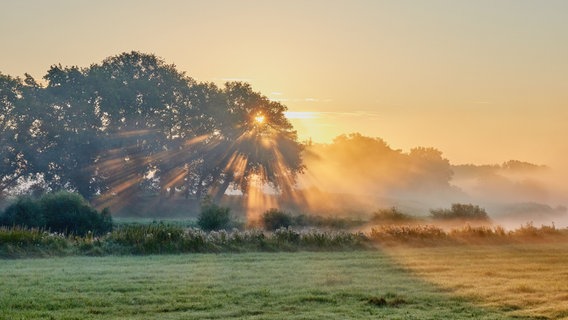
353 114
301 115
279 98
330 114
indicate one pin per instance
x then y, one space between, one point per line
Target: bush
275 219
317 221
25 212
460 211
214 217
63 212
390 215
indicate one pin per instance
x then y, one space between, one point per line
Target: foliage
162 238
58 212
213 216
275 219
24 212
374 167
21 242
326 222
134 124
390 215
147 239
460 211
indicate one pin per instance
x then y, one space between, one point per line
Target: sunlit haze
483 81
284 159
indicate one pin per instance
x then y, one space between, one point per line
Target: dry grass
520 279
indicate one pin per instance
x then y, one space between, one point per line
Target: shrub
25 212
63 212
275 219
214 217
70 213
390 215
460 211
304 220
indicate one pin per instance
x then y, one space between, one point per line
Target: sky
482 81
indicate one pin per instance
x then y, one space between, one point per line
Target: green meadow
298 285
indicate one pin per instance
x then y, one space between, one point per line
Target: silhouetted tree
134 123
252 139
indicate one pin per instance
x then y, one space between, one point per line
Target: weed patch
389 300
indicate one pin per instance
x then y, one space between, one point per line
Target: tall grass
19 242
160 238
433 235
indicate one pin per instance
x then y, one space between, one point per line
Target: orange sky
483 81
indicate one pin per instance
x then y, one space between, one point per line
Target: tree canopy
134 123
373 167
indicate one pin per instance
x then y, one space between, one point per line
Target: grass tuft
388 300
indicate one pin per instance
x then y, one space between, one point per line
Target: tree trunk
219 190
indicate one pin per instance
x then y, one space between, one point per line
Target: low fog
135 134
356 174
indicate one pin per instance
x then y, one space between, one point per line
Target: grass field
337 285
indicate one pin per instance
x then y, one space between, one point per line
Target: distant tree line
370 166
135 124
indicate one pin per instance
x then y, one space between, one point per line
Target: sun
259 119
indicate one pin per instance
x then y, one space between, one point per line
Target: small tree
213 216
274 219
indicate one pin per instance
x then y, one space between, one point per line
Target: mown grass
519 279
316 285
